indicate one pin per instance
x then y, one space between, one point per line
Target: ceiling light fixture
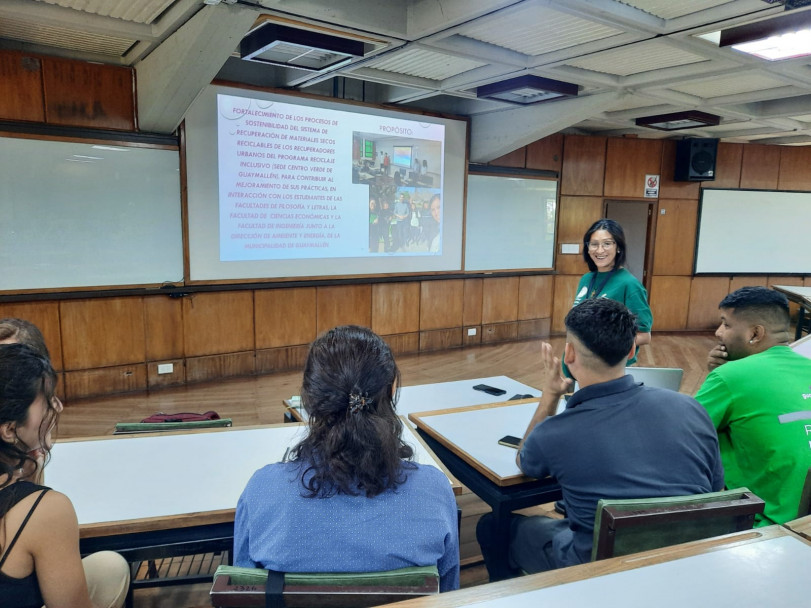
782 37
527 89
674 121
297 48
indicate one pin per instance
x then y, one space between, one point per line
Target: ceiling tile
26 31
728 85
668 9
636 58
425 64
519 30
137 11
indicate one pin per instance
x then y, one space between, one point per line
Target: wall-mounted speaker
695 160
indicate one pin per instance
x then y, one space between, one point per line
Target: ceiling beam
498 133
172 75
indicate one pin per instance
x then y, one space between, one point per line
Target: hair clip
357 402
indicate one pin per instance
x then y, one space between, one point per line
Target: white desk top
459 393
768 573
803 346
473 434
797 290
136 477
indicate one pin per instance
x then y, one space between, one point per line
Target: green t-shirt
761 407
621 287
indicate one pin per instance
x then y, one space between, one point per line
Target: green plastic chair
623 527
235 587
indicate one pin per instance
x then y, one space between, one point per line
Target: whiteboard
85 215
753 231
509 222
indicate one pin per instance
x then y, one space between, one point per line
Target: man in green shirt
758 394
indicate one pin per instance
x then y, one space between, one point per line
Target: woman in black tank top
39 533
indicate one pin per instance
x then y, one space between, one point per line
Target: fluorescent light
775 48
774 39
678 120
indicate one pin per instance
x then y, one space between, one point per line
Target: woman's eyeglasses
594 245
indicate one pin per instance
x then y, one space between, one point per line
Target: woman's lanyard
594 291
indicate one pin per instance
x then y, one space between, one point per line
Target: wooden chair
245 587
623 527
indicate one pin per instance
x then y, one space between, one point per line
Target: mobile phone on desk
490 390
511 441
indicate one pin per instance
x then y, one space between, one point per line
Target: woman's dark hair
24 332
616 233
354 444
25 375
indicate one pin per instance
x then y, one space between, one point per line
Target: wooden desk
136 491
762 567
801 296
466 440
801 526
444 395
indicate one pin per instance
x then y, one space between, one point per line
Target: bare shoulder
56 512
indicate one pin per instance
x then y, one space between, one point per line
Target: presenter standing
604 252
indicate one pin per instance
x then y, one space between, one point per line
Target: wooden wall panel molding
534 328
403 344
106 381
281 359
218 322
535 296
705 294
214 367
83 94
669 300
667 187
21 75
546 154
284 317
565 287
675 237
583 170
516 158
472 305
343 305
442 304
440 339
395 308
103 332
760 166
45 315
176 378
164 328
727 167
795 165
500 300
737 282
575 215
627 162
499 332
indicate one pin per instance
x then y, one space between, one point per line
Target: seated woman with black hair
39 533
349 499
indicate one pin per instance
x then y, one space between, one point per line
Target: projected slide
298 182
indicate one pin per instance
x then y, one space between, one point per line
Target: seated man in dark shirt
615 439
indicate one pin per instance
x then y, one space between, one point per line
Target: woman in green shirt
604 253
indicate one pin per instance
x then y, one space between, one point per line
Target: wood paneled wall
66 92
111 345
115 344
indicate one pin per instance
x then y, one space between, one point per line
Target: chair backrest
244 587
805 498
623 527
